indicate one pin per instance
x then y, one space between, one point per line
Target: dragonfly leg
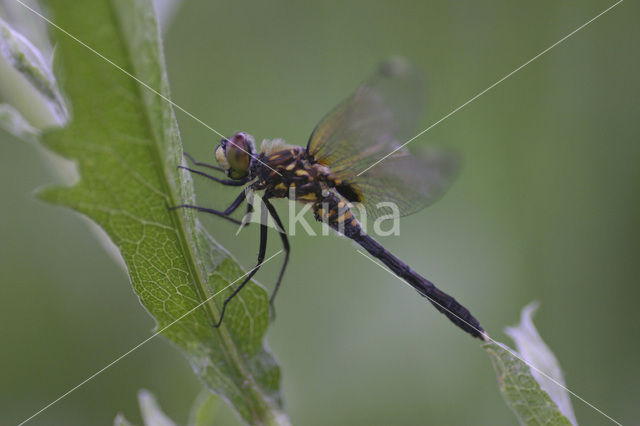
198 163
224 214
261 253
285 246
227 182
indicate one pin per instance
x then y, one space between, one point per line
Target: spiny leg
285 246
197 163
261 253
224 214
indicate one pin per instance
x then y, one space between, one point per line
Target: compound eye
238 152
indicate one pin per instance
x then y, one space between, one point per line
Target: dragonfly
339 168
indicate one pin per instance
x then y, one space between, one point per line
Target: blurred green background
547 208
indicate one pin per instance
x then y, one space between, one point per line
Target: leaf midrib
187 246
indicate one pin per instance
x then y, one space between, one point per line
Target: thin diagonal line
91 377
175 105
487 338
493 85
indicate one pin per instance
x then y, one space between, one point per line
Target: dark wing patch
349 192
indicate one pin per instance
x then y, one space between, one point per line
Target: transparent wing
375 120
378 118
403 183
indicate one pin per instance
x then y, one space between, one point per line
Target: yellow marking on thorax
281 186
311 196
291 166
302 172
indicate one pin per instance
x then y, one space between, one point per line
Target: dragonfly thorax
285 171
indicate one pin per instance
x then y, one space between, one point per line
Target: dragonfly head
235 155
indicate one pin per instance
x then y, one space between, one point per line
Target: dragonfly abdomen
444 303
334 212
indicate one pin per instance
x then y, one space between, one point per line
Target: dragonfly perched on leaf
341 166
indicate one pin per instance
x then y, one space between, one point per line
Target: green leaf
521 385
521 391
125 141
534 351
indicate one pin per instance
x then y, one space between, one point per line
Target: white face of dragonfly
234 155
